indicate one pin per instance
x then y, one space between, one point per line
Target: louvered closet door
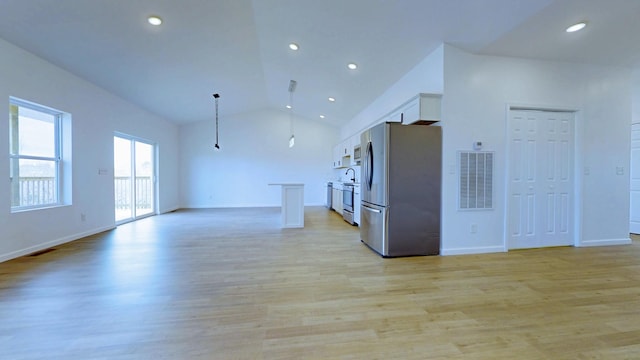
540 179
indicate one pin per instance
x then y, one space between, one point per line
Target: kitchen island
292 204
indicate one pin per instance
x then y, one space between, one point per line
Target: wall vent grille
476 180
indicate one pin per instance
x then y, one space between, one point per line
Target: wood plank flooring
230 284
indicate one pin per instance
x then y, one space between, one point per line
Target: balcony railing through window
34 191
144 192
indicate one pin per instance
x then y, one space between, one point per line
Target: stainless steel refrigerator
401 181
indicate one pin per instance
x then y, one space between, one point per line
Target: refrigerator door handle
371 209
366 166
369 165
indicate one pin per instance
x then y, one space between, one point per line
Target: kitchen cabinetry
355 141
344 148
420 109
356 203
343 152
337 158
341 155
337 200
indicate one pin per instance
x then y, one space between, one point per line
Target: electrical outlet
474 228
83 217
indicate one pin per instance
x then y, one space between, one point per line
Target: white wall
96 114
478 90
635 100
254 152
426 77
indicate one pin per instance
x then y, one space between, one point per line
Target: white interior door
540 179
634 226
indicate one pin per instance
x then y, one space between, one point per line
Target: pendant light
292 88
216 97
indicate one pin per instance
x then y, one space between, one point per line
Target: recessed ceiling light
154 20
576 27
294 46
321 116
332 99
288 106
352 66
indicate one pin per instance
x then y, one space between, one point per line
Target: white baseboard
52 243
469 251
244 206
604 242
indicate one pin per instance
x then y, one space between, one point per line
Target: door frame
578 167
154 179
633 225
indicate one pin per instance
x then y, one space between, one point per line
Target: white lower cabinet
337 201
356 203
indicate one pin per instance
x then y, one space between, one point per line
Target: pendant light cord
216 96
216 120
292 88
291 112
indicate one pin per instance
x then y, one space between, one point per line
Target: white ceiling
239 48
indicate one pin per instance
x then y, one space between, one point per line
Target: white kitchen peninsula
292 204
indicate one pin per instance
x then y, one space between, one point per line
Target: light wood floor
229 284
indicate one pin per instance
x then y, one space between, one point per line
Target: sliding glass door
134 180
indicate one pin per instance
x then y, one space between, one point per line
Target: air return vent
476 180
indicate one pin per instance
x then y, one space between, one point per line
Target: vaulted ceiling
239 48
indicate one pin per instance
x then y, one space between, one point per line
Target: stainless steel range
347 203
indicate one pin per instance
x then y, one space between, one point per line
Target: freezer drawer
373 227
399 231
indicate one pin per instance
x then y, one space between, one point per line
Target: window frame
57 158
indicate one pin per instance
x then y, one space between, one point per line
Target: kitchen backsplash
341 175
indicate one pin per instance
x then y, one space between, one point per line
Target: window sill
29 209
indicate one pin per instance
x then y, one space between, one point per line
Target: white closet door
634 226
540 179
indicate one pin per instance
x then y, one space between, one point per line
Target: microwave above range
357 153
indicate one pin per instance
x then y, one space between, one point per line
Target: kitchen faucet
353 179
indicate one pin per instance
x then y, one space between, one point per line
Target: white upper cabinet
341 155
337 156
422 108
343 152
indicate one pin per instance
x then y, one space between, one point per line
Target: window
35 154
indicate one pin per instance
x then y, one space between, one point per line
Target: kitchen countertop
337 184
